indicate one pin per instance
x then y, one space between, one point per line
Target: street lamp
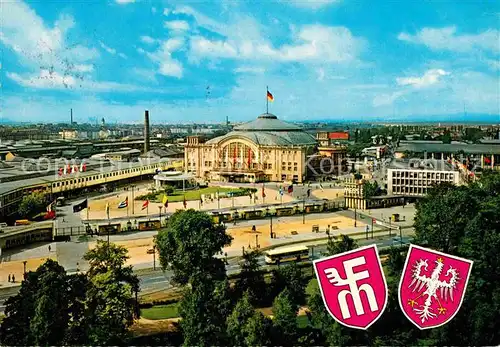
159 208
304 209
271 222
24 271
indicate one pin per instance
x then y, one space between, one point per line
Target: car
151 251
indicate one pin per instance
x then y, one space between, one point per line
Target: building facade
265 149
416 181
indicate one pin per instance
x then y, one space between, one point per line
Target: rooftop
421 164
419 147
268 130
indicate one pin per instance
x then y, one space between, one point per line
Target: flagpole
267 99
87 208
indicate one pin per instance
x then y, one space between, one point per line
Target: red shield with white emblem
353 286
432 286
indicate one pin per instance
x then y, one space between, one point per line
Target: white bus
285 254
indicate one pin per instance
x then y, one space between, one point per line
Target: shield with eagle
432 286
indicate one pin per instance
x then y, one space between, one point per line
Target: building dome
267 122
268 130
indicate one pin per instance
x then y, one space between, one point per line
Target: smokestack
71 112
146 131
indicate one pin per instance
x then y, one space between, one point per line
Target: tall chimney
146 131
71 111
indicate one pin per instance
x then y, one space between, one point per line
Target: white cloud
312 4
122 55
153 10
107 48
36 43
166 11
250 69
203 20
147 39
387 99
493 64
430 77
448 39
47 79
312 43
180 25
83 68
168 66
122 2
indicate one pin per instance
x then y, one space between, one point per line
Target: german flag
270 96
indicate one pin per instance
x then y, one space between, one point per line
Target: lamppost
304 209
132 186
270 222
154 256
257 241
159 208
24 270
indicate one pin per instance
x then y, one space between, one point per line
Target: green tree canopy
345 244
31 205
285 318
189 244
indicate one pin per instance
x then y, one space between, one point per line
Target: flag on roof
145 204
290 189
270 96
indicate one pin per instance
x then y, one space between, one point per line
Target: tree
345 244
291 279
257 330
238 319
31 205
465 221
251 277
189 244
42 313
370 189
204 309
285 318
110 294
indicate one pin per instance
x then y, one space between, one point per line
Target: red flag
487 160
290 189
249 157
60 171
145 204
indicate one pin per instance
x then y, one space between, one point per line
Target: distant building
484 155
415 178
68 134
265 149
124 155
331 138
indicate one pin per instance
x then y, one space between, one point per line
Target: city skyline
328 60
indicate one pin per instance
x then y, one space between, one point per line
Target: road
152 281
158 280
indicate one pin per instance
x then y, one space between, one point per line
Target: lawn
179 195
161 312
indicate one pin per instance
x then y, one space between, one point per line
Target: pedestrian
13 278
9 278
49 248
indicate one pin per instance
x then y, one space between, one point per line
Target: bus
286 254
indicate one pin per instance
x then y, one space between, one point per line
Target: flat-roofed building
415 178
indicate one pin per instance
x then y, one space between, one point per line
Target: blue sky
200 61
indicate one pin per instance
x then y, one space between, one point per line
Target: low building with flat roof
415 178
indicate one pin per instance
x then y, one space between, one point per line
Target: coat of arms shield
353 286
432 286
